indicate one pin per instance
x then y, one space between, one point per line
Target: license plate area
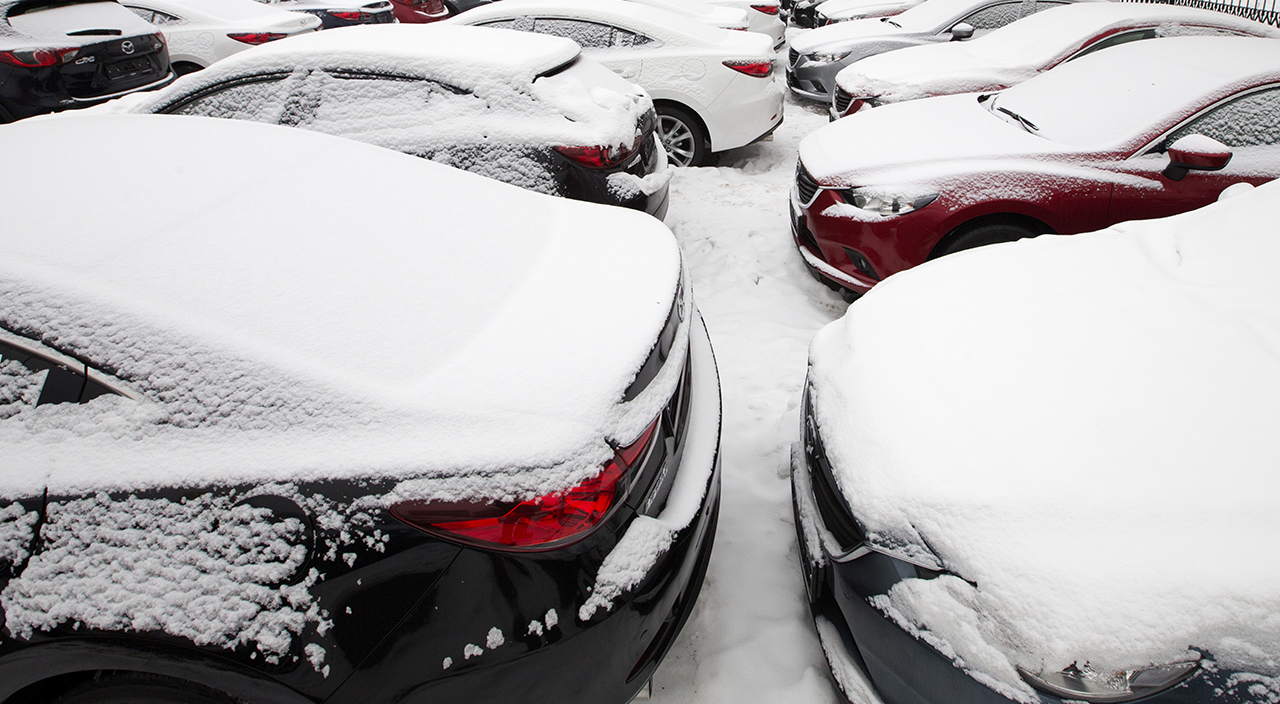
128 68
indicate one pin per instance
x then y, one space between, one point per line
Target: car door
1248 123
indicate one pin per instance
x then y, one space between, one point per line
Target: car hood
930 69
1082 429
948 135
281 323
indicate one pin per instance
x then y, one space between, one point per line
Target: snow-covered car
1046 471
439 440
714 15
764 16
1142 130
74 53
200 32
803 13
517 107
845 10
335 13
816 57
1023 49
712 88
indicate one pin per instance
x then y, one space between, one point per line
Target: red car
419 11
1143 130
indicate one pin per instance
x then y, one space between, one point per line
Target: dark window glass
27 379
588 35
1116 40
256 99
995 16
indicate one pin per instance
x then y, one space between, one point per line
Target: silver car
817 56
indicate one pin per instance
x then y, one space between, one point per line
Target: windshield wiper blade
895 24
1027 125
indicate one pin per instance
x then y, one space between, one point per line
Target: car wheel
140 688
682 136
988 233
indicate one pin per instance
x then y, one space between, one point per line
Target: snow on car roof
1082 429
53 23
228 10
633 14
717 15
1022 49
1108 97
928 17
297 306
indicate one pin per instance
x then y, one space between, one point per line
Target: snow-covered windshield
1089 103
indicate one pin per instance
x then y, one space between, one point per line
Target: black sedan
264 448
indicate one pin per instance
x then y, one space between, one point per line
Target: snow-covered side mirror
961 31
1196 152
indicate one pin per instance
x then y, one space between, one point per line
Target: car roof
230 10
633 14
269 262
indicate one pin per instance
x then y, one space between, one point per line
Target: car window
995 16
1115 40
520 24
1250 120
355 104
256 99
588 35
627 38
27 379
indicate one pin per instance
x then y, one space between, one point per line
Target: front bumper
814 80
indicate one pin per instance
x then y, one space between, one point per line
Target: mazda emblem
126 46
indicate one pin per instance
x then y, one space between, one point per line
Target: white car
816 57
1022 50
200 32
714 15
713 89
765 17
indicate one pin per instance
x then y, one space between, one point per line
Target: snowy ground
750 638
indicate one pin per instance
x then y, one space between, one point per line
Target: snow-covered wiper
895 24
1027 125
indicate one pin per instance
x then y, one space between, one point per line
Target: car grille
835 513
793 56
842 100
807 187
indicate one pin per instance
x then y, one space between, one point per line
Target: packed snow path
750 638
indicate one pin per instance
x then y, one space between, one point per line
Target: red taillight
766 9
759 69
350 15
256 38
38 58
541 523
600 157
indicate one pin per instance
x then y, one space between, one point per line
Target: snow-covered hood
1095 461
840 36
947 135
284 325
930 69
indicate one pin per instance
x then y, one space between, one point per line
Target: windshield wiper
895 24
1027 125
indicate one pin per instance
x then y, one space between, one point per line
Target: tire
682 136
140 688
989 233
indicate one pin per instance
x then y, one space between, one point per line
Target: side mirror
961 31
1196 152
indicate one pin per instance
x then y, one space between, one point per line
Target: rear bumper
747 110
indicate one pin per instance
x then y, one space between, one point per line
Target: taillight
38 58
350 15
766 9
256 38
759 69
601 157
541 523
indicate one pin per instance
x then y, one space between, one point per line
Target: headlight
826 57
1089 685
886 204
